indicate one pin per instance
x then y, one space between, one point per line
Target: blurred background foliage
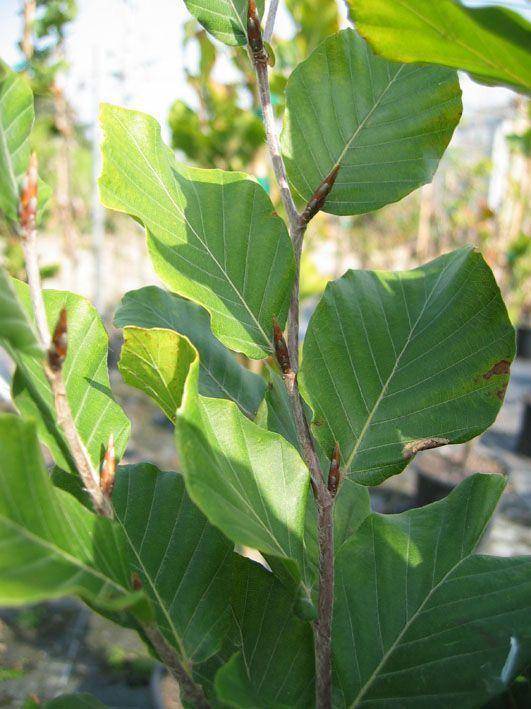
219 125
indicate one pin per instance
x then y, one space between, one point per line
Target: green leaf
225 20
249 482
86 378
16 120
220 374
386 125
419 620
398 362
15 330
491 43
185 564
274 666
156 361
212 235
50 545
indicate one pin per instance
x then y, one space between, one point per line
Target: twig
288 356
270 19
190 690
56 349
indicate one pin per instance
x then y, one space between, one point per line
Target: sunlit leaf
493 44
16 120
225 20
249 482
213 236
86 378
220 374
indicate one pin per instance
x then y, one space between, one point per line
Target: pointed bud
334 475
254 34
59 346
317 200
281 349
28 196
136 581
108 469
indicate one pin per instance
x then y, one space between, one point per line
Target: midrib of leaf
383 390
367 117
152 584
410 621
461 43
185 220
34 539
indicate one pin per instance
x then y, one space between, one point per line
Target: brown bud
108 469
254 33
136 581
28 196
334 475
59 346
317 200
281 349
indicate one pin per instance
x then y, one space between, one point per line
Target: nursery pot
523 444
439 474
523 341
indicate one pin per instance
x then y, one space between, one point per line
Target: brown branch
56 348
288 356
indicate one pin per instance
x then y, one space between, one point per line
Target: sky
130 52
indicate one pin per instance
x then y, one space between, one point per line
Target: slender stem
325 605
190 690
324 500
270 19
65 418
273 145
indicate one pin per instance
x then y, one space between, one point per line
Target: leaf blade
408 566
225 20
188 214
490 43
378 333
385 125
185 564
47 529
220 376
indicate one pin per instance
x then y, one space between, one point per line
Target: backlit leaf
493 44
212 235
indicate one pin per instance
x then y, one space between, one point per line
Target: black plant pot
523 444
438 475
523 342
